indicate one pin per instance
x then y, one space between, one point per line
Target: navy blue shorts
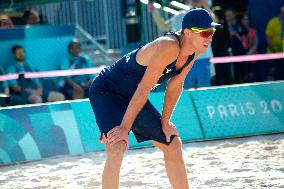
109 110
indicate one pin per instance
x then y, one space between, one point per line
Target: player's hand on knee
169 129
117 134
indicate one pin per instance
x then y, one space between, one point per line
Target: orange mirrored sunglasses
205 33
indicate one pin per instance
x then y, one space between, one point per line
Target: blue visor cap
198 18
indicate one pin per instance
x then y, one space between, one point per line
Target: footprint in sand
281 169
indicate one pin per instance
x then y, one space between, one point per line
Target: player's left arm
173 92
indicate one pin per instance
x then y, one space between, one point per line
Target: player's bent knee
176 143
117 150
175 146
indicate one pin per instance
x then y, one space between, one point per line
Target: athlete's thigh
147 125
108 109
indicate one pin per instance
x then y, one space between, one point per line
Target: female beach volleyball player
119 96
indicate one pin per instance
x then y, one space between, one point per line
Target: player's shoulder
168 43
169 39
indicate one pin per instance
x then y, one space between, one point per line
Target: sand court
251 163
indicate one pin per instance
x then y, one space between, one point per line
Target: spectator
274 44
31 17
282 27
76 87
32 91
236 30
221 47
200 74
6 22
174 23
250 41
273 33
4 89
282 35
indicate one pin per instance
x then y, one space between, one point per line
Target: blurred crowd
31 91
236 37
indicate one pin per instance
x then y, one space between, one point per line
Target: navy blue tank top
124 75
